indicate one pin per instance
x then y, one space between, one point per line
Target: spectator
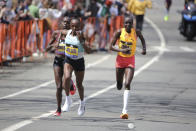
23 11
105 10
11 13
89 32
92 9
114 10
67 6
3 13
23 15
104 14
43 13
33 9
120 5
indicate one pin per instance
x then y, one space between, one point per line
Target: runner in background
168 4
125 61
138 8
58 65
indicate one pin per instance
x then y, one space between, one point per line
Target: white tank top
73 49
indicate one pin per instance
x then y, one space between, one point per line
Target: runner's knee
67 78
59 90
59 86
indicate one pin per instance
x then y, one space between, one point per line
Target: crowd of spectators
12 11
16 10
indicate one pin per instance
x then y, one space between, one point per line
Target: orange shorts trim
124 62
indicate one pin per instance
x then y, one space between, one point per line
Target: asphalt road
162 96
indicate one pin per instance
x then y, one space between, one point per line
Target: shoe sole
125 116
55 114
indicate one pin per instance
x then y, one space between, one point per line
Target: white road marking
18 125
28 90
172 49
97 62
157 48
187 49
137 72
52 81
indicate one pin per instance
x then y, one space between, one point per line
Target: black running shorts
169 2
78 64
59 61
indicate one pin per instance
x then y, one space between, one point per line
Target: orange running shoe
124 116
72 88
57 113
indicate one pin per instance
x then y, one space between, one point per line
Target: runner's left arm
83 42
139 34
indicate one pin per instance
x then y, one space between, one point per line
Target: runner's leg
58 73
68 69
79 81
129 73
119 77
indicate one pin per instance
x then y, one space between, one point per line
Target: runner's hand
126 50
78 33
80 36
59 38
56 45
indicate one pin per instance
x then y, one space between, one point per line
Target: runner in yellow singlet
125 60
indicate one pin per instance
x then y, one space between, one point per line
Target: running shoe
166 18
67 104
57 113
124 116
72 88
81 109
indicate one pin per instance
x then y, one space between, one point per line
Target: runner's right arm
52 40
82 39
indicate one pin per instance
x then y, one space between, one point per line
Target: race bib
61 50
71 51
125 45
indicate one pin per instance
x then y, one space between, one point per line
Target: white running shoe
67 104
81 109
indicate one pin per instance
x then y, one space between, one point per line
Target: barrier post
22 39
1 42
13 41
26 32
41 27
18 45
112 25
